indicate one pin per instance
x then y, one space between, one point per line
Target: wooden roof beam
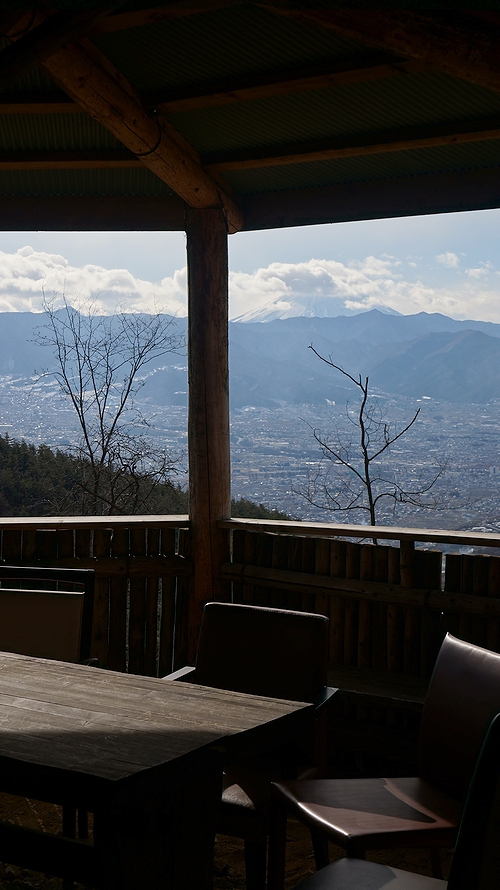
83 72
123 21
455 133
454 43
295 80
279 83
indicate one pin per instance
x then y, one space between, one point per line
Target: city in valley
275 456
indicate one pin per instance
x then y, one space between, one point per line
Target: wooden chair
476 859
424 811
41 613
268 652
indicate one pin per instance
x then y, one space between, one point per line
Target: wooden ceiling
278 111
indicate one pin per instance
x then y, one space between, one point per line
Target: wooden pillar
208 418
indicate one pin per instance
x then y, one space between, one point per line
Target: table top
111 726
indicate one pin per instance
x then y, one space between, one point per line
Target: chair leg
255 864
68 830
320 847
277 846
83 824
436 865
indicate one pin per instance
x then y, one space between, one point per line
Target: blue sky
448 263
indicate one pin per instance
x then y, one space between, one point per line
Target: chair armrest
186 674
325 697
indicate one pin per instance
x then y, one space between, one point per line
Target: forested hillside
42 482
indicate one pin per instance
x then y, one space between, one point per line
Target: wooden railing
389 608
142 581
389 605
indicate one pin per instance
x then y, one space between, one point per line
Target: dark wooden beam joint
42 41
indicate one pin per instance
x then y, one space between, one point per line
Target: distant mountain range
410 355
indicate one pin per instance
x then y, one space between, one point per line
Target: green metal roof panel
392 165
82 182
228 43
394 102
54 132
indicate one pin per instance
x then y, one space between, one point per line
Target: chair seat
355 874
368 814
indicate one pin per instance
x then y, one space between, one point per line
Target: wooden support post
208 423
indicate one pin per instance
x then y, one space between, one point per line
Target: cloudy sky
448 263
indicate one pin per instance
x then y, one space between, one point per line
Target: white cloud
480 271
26 274
359 285
448 259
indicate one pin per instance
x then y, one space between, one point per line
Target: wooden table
144 755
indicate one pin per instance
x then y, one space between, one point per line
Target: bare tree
353 476
98 363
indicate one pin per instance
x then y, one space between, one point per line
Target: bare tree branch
98 363
349 478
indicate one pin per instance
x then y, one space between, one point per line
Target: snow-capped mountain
307 306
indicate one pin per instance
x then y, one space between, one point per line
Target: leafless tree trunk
360 481
99 360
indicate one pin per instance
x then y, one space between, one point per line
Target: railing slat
118 605
100 621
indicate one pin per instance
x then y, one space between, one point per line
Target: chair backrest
46 612
476 861
271 652
463 697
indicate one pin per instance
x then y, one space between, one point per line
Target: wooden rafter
281 83
265 86
83 72
123 21
455 133
457 44
67 160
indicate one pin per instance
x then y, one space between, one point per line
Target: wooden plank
337 570
137 608
395 617
372 591
390 533
100 617
351 607
493 626
282 83
89 77
308 565
294 597
118 606
322 567
12 543
464 189
182 652
64 213
279 560
460 46
208 413
68 160
366 572
430 640
161 614
360 145
379 611
264 558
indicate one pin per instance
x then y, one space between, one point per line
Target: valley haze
280 390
